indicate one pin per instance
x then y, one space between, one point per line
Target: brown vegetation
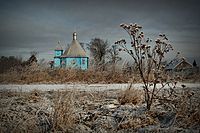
36 111
85 111
131 95
63 114
36 74
147 57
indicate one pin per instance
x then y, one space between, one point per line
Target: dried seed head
132 33
149 56
148 46
143 46
161 35
166 38
132 45
158 40
139 26
122 25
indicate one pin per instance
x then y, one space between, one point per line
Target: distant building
73 57
181 66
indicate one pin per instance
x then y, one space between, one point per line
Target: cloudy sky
37 25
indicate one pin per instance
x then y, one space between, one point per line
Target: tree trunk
148 100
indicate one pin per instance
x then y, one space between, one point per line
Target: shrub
147 57
63 114
131 95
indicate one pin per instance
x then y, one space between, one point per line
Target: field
97 110
66 67
65 100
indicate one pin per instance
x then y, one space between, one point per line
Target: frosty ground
96 108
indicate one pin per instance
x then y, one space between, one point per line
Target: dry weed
130 95
185 103
187 106
138 122
63 115
33 112
35 96
35 74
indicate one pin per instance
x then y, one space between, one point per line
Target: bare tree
113 56
32 59
98 49
148 59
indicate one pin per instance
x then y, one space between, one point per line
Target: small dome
58 46
74 36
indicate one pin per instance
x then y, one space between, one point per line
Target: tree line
7 63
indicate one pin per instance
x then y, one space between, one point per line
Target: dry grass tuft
130 95
34 112
63 114
187 106
137 122
35 96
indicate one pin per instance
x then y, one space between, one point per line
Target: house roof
75 49
183 65
178 64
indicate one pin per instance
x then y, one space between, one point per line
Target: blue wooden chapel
74 57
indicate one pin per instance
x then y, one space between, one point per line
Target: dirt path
85 87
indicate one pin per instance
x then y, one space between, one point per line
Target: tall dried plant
147 57
63 111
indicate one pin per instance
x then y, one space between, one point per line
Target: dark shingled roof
175 63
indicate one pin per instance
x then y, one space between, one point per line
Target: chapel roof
58 46
75 49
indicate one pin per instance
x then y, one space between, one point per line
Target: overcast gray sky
37 25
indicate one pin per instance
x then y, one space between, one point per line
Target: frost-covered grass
118 111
